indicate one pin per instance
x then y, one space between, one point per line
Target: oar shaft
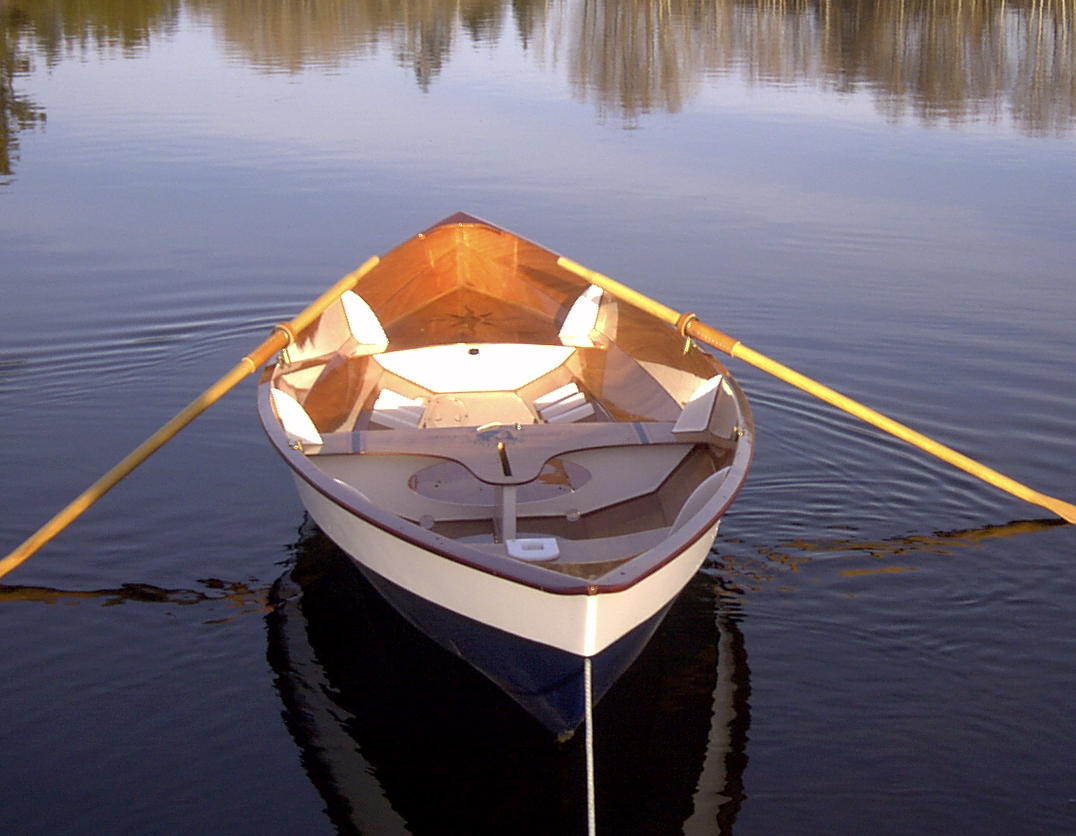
621 291
318 306
279 339
132 460
947 454
692 327
699 330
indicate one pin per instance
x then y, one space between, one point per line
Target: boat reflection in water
400 736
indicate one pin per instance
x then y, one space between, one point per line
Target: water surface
878 194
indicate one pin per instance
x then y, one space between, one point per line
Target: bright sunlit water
881 195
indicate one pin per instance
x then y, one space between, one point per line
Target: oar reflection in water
245 599
737 571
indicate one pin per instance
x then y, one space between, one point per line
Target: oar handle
690 326
281 337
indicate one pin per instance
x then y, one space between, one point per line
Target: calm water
882 195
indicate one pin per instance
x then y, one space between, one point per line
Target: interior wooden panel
425 271
344 385
466 315
640 335
626 391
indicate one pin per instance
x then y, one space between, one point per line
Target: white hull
580 624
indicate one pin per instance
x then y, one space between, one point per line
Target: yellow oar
281 337
690 326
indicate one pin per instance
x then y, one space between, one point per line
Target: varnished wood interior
469 283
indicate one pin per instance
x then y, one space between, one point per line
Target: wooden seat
501 455
563 405
387 482
391 409
502 471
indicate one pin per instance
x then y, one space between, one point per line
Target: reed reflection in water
935 61
951 60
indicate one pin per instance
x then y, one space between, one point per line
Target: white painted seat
700 496
700 407
365 327
294 419
474 367
564 404
413 480
582 318
396 411
348 325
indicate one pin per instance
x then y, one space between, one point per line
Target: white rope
589 709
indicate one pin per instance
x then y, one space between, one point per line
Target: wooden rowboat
524 466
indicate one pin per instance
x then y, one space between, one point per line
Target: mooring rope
588 704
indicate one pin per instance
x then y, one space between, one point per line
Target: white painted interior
391 409
697 411
454 368
363 322
582 318
293 418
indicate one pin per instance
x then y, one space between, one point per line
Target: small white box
533 548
